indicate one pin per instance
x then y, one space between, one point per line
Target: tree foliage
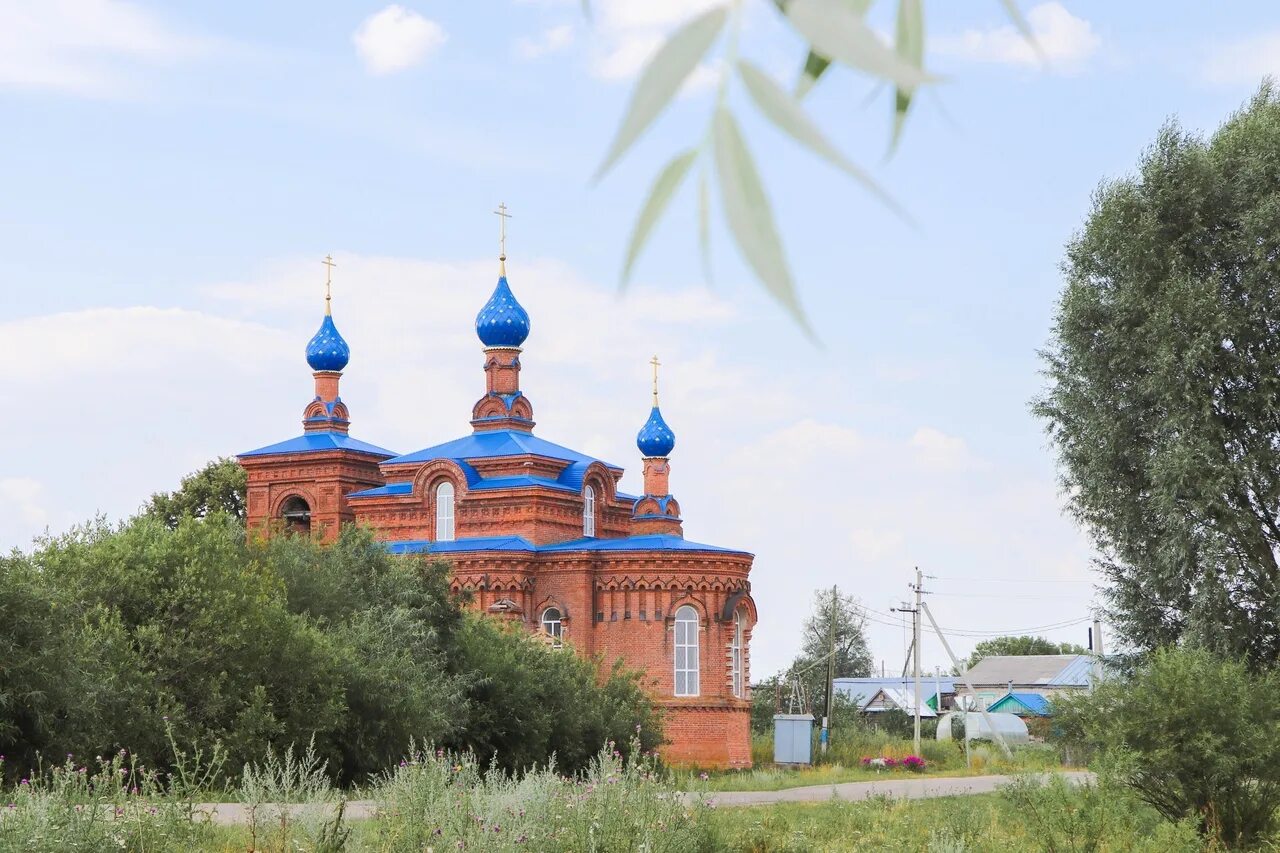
112 634
831 609
1164 395
1193 734
217 487
1022 646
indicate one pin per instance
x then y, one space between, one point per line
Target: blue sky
173 174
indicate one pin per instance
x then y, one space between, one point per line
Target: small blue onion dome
502 322
656 438
327 350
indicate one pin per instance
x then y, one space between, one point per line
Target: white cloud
630 33
396 39
1065 42
549 41
1245 60
934 450
119 403
93 48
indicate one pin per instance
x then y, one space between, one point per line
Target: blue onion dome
656 438
327 350
502 322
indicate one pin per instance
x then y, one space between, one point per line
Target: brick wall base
715 737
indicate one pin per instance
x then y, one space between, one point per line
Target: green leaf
837 31
815 64
1024 27
668 181
704 224
662 78
814 67
750 218
910 47
785 112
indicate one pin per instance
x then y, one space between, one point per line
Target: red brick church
536 532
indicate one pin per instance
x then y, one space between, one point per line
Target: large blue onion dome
656 438
502 322
328 350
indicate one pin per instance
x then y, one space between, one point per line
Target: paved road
900 788
235 814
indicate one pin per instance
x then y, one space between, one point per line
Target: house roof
315 442
1022 704
1040 670
903 699
647 542
860 690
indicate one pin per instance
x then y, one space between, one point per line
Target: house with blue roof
535 532
996 677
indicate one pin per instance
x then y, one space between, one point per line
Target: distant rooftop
1033 670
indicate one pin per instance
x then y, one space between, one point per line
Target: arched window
686 651
736 653
296 513
552 625
588 511
444 512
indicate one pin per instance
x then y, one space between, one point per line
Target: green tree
217 487
1164 372
838 614
1193 734
1022 646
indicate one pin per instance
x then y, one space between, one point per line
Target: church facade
537 533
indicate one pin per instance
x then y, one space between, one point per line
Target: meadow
437 801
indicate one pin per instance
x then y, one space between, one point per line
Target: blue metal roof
487 444
1075 674
315 442
860 690
327 349
521 481
479 543
644 542
647 542
388 489
1034 703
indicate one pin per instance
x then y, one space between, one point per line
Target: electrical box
793 738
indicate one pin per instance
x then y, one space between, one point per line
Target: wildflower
522 839
497 828
24 782
704 776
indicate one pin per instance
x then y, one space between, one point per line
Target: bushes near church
114 634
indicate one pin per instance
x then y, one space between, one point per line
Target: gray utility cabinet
793 738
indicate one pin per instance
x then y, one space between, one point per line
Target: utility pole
918 587
831 671
915 662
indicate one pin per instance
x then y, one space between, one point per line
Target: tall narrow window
444 512
588 511
736 653
552 625
686 651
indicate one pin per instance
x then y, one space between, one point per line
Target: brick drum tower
538 533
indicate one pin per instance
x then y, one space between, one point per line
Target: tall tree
841 614
1164 386
218 486
1022 646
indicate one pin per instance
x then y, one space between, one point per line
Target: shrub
1195 735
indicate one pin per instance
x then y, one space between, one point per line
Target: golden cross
654 361
328 279
503 216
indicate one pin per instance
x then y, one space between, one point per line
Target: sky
174 173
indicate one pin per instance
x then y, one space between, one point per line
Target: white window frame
444 512
554 627
736 654
685 666
589 511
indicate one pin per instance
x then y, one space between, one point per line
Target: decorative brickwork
535 526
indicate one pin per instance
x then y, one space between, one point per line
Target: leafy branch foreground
438 801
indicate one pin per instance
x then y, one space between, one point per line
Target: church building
537 533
